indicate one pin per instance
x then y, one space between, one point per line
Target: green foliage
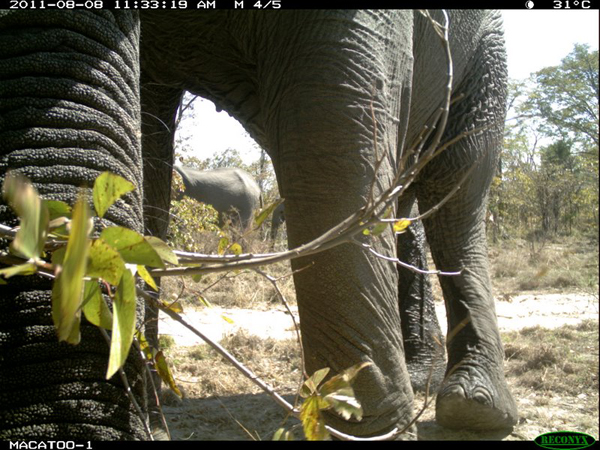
109 188
190 220
67 291
547 182
336 393
31 236
266 212
567 97
86 263
123 326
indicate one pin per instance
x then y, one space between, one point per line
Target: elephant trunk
70 110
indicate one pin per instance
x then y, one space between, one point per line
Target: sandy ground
256 416
546 310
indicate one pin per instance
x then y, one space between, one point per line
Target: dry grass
553 374
219 402
245 289
204 372
563 361
568 265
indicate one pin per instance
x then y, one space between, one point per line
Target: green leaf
174 306
145 347
67 291
163 250
163 369
58 256
21 269
265 213
236 249
58 209
311 385
94 308
33 213
132 246
401 225
143 272
109 187
283 435
58 227
344 402
205 302
338 392
312 420
105 262
196 277
123 326
229 320
379 228
222 247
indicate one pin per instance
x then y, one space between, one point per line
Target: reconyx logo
564 439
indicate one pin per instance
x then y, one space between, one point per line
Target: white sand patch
520 311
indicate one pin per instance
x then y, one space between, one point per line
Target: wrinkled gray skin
232 192
421 333
302 83
277 219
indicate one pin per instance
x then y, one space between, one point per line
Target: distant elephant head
232 192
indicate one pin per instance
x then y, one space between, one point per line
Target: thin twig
221 350
403 264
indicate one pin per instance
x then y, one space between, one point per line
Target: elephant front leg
159 107
324 156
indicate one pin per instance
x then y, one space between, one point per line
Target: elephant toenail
481 395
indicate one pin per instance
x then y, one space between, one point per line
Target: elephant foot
428 376
472 399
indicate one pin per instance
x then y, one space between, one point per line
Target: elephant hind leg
421 333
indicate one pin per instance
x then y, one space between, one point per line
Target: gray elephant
232 192
305 84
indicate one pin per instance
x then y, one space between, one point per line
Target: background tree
547 182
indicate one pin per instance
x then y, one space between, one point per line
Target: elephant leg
474 394
421 333
159 107
70 110
324 157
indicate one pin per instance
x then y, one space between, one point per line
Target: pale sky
534 40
